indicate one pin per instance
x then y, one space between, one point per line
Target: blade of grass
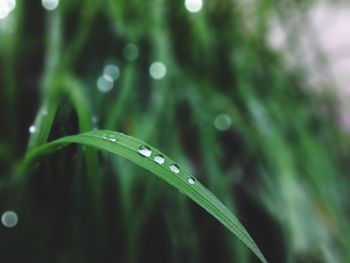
87 17
50 87
127 147
79 100
127 84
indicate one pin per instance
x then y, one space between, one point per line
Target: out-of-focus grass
281 165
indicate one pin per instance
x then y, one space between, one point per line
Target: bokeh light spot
50 4
222 122
193 6
9 219
157 70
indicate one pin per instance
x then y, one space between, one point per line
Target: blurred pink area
324 39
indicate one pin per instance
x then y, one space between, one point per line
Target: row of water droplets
146 151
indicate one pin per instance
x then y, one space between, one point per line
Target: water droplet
193 6
32 129
9 219
159 159
157 70
131 52
105 83
145 151
191 181
111 71
112 138
109 137
50 4
174 168
222 122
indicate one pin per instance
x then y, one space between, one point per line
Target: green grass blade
127 147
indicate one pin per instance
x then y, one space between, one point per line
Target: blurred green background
198 80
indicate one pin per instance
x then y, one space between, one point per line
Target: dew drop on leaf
112 138
174 168
145 151
191 181
159 159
